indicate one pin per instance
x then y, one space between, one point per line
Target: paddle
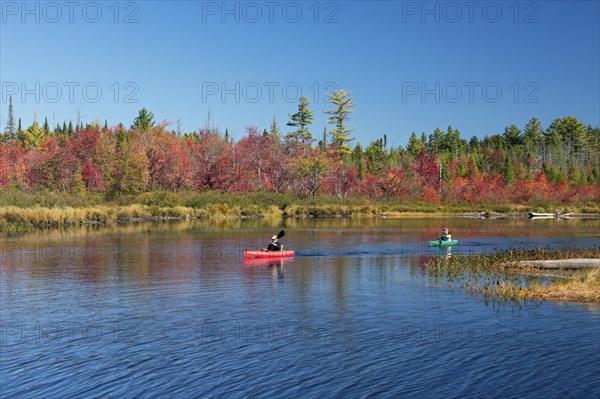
281 234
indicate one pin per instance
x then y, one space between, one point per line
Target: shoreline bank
13 217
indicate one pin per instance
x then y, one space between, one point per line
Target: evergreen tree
512 136
70 128
20 133
570 131
357 159
532 133
377 156
144 121
274 131
434 144
122 136
302 119
10 131
554 134
424 139
344 103
566 139
46 127
105 124
451 142
415 145
33 136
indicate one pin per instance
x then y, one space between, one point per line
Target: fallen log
571 264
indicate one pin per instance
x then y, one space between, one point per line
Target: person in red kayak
275 245
446 235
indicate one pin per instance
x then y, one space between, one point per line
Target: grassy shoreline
500 275
42 209
43 217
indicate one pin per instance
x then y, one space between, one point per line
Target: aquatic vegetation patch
500 275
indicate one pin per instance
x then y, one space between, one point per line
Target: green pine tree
274 131
415 145
377 156
20 133
512 136
434 143
33 136
144 121
357 159
532 133
424 139
46 127
344 103
10 131
302 119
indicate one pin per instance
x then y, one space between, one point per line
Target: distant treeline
558 164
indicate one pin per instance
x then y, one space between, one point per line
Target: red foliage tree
212 161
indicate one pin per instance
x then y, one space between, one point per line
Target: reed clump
499 275
583 286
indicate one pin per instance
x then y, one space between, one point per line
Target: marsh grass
44 209
499 276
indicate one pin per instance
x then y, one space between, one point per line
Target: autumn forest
550 166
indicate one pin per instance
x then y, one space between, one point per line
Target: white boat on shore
542 215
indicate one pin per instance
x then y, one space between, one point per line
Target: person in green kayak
446 235
275 245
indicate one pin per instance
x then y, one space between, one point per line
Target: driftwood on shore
528 215
473 215
571 264
581 216
501 215
559 215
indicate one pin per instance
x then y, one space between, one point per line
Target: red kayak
268 254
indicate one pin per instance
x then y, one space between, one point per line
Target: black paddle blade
281 234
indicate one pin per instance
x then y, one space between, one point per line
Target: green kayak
440 243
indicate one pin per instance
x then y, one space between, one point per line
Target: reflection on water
174 310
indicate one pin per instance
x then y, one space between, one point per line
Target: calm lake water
172 311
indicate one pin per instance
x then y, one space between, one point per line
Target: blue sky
411 66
